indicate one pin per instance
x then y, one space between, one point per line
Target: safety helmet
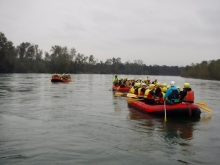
172 83
186 85
164 85
178 87
151 86
137 84
168 86
157 84
164 89
143 84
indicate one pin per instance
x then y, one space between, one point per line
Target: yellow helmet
157 84
178 87
164 89
164 85
151 86
143 84
137 84
189 85
186 85
168 86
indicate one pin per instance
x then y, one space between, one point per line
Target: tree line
204 70
29 58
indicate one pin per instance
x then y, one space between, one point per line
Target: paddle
131 95
129 100
205 109
165 114
120 94
202 103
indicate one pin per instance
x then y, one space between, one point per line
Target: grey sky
163 32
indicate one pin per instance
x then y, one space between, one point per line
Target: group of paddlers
61 76
154 92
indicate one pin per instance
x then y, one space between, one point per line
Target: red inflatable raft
180 109
58 78
121 89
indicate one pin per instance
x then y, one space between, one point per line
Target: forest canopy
29 58
204 70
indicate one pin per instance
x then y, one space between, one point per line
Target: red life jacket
161 100
140 93
150 96
136 91
189 96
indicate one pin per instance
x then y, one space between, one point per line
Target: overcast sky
162 32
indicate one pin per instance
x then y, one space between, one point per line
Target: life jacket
115 80
136 91
131 90
161 100
148 94
173 97
189 96
158 91
140 92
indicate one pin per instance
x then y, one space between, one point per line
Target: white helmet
172 83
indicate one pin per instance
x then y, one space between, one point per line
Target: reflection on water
174 128
83 123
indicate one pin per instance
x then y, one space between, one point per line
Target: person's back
141 90
172 94
115 80
131 90
149 95
164 90
187 94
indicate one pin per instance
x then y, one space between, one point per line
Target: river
82 122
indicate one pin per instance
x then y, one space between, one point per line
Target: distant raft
61 78
179 109
121 89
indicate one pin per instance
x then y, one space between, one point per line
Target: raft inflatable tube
57 79
60 79
179 109
121 89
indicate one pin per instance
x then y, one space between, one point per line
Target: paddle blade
130 100
165 114
204 104
165 118
206 109
131 95
118 93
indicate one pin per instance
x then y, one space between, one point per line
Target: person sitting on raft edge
187 94
115 80
172 94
